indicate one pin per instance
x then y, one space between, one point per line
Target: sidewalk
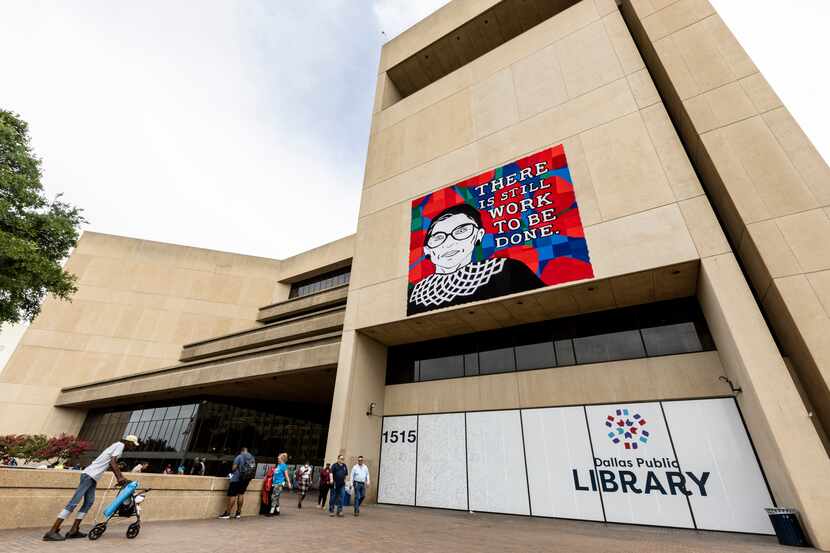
387 529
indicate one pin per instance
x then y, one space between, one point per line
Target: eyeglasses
461 232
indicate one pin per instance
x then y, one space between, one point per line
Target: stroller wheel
97 531
133 530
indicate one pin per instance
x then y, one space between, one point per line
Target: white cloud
243 126
178 121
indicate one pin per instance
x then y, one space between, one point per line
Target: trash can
787 527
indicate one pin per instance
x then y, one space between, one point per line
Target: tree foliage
63 448
37 447
36 234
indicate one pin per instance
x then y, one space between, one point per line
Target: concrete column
361 380
788 445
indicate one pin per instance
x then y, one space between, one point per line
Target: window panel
613 346
535 356
564 352
497 360
471 364
187 411
671 339
451 366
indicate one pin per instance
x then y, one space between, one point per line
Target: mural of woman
450 242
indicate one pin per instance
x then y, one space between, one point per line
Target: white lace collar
438 289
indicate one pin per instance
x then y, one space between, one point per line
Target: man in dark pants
86 488
339 472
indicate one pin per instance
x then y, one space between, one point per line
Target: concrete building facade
703 207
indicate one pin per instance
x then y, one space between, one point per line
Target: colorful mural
508 230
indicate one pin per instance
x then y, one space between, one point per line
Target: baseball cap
132 438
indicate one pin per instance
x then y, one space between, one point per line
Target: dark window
671 339
564 352
664 328
320 283
451 366
471 364
496 353
534 348
613 346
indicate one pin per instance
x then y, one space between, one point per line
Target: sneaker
339 514
331 514
224 516
357 513
75 535
299 505
238 515
53 536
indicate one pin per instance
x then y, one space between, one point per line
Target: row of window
213 429
664 328
320 283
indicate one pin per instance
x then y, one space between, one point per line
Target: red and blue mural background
542 229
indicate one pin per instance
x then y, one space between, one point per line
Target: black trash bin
787 527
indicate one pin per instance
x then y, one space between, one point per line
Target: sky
243 126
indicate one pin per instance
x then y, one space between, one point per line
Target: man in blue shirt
280 479
339 472
242 472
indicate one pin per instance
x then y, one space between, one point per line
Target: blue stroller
125 505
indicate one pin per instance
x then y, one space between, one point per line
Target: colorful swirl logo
627 429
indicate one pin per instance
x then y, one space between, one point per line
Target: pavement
388 529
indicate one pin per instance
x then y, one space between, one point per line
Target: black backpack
248 470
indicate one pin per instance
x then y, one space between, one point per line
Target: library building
590 280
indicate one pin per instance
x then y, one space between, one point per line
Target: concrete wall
669 377
768 183
579 79
575 79
33 498
137 303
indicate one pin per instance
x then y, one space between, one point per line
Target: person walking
198 468
167 470
339 472
325 486
242 472
360 482
279 480
86 488
303 482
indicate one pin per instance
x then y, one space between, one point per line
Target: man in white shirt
360 481
86 488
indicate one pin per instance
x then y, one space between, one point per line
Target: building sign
686 464
509 230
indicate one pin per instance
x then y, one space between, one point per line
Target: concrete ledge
304 304
306 326
33 498
314 353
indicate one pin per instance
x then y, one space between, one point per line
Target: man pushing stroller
86 488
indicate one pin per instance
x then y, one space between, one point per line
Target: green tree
36 234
